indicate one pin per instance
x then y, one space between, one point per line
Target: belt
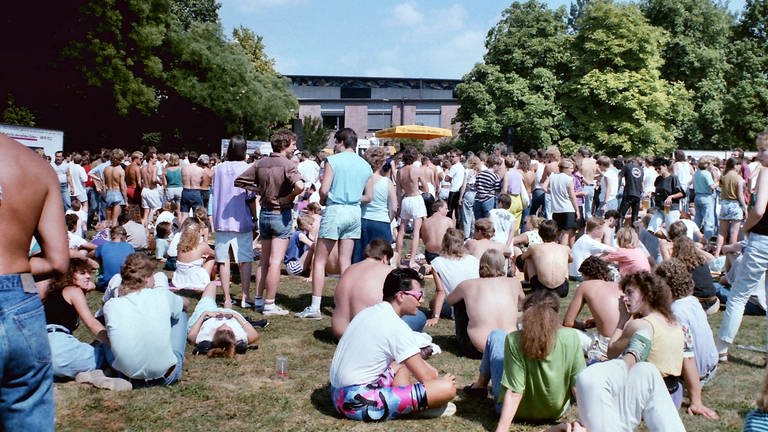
55 328
153 381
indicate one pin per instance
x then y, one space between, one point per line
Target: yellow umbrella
414 132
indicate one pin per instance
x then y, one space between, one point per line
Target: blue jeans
71 356
96 205
468 213
537 201
589 198
25 360
369 231
753 267
492 363
705 214
416 322
483 208
64 189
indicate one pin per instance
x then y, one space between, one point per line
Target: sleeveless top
729 186
558 189
173 178
58 311
666 346
378 208
761 227
514 180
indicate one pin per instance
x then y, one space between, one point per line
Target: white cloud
452 18
405 14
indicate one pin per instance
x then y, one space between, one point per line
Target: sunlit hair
190 235
135 271
492 264
523 162
685 250
223 343
117 231
627 238
677 229
485 228
116 157
313 208
173 159
438 205
76 265
540 324
473 163
677 276
453 244
201 216
510 161
595 268
594 222
282 139
376 156
379 249
535 221
653 290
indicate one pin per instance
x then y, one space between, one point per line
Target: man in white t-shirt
79 177
378 355
309 169
590 244
61 168
147 327
609 185
455 175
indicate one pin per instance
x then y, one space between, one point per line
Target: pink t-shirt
629 260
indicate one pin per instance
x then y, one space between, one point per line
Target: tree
519 83
17 115
253 47
617 100
315 134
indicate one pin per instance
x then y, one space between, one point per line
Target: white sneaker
309 314
97 378
246 304
444 411
275 310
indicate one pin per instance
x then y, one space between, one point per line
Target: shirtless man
150 192
601 295
481 305
204 162
192 182
114 183
548 265
483 240
411 182
360 287
433 229
27 208
133 179
588 169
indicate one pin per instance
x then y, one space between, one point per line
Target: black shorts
565 221
561 290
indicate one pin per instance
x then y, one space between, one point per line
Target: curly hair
653 289
492 264
376 156
223 343
685 250
595 268
76 265
540 324
677 276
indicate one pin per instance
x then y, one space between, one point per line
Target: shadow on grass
479 411
325 335
321 400
447 344
743 362
298 303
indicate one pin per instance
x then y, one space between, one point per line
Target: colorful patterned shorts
379 401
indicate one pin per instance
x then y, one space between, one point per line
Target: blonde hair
492 264
190 235
627 238
453 243
473 163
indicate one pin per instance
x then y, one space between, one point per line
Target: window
355 93
379 119
333 121
428 119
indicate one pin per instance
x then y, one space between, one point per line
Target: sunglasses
418 295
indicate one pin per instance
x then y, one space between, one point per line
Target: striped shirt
487 185
756 421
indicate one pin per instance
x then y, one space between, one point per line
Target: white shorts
190 276
413 207
241 244
150 198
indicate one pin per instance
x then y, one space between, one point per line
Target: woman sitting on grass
219 332
697 264
629 257
193 268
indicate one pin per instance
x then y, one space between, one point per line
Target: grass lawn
242 394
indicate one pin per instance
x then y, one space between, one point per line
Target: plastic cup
281 368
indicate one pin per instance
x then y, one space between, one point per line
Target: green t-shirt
546 384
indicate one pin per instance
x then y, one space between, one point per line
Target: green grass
242 394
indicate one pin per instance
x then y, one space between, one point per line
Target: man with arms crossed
344 178
411 182
360 287
279 182
27 208
376 359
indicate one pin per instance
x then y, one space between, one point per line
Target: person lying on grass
218 332
378 355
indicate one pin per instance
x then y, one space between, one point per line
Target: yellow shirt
666 346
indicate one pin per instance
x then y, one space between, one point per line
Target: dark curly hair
677 276
76 265
654 290
595 268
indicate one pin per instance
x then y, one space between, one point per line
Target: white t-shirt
456 173
75 241
61 171
210 326
453 271
139 329
79 177
584 248
649 180
610 180
503 221
309 170
558 190
82 217
375 338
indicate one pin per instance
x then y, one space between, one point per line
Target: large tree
618 101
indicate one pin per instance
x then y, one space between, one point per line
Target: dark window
333 121
355 93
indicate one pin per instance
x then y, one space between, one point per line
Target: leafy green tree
253 47
17 115
188 12
316 134
617 100
520 81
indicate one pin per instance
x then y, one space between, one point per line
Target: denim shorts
275 225
340 222
190 198
730 210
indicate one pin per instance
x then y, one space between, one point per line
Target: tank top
558 188
58 311
729 186
173 178
378 208
761 227
514 179
666 346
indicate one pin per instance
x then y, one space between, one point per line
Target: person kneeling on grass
147 327
298 256
377 356
219 332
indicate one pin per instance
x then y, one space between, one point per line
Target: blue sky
384 38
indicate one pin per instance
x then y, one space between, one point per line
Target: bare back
207 178
192 177
132 175
477 247
114 177
433 230
412 181
30 204
491 303
550 261
149 176
588 169
602 298
359 287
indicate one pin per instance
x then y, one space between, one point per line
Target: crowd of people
651 246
